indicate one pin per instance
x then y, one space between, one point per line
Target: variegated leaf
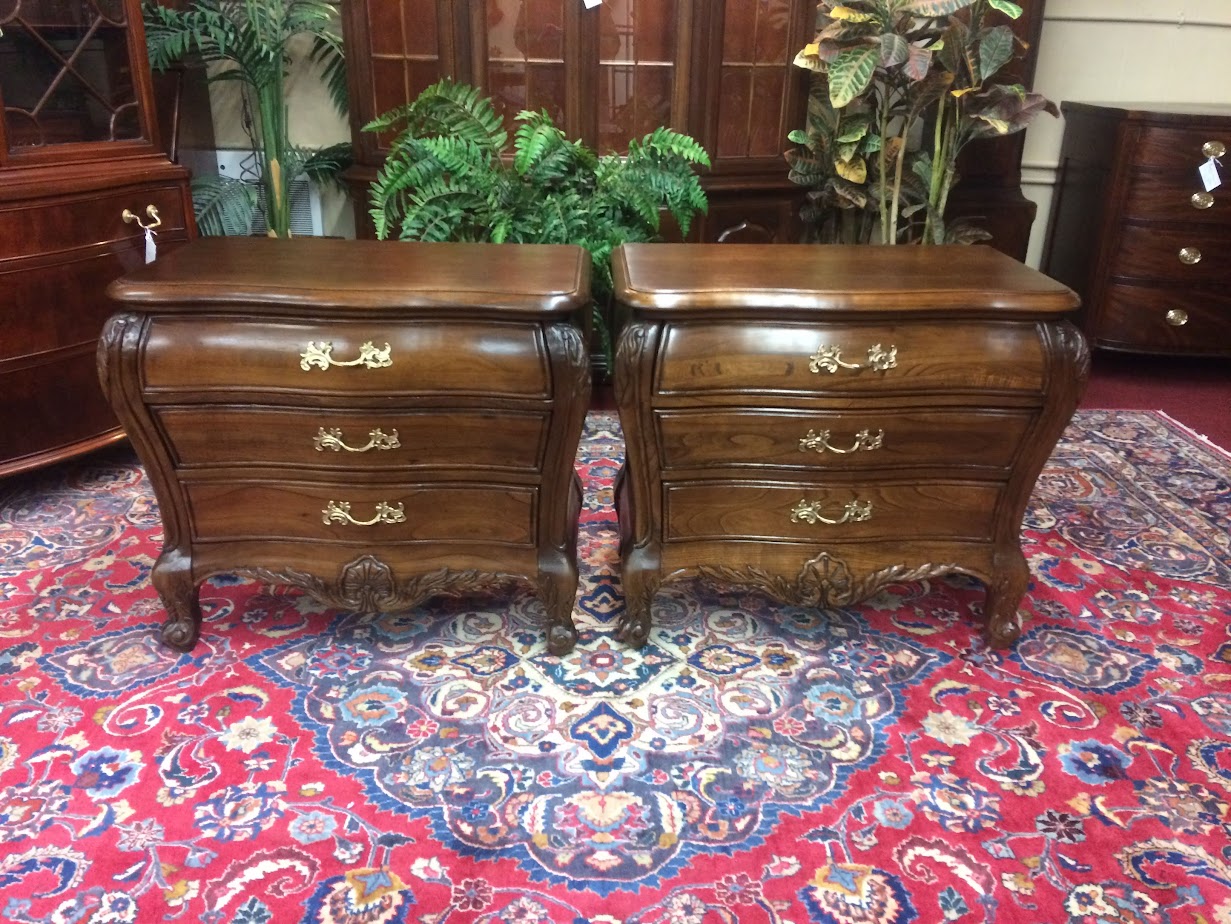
894 49
995 51
1012 10
855 171
938 7
850 73
918 64
846 14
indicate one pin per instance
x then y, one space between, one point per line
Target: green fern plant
249 41
451 175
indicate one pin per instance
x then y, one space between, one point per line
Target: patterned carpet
753 763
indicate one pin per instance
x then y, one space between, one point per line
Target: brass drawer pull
339 512
829 358
1177 317
1213 149
377 439
1202 200
319 355
810 512
864 439
1190 255
150 210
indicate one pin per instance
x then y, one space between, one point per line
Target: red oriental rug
753 763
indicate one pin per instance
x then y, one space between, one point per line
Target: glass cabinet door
753 101
524 58
66 73
636 69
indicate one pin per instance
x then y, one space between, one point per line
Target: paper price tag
1209 175
151 249
591 4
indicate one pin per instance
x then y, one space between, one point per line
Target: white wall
1117 51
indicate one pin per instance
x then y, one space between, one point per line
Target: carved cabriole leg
641 580
172 577
1005 591
557 587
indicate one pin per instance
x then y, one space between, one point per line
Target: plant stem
931 220
883 114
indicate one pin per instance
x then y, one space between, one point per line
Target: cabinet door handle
1213 149
339 512
829 359
377 439
319 355
1190 255
150 210
1177 317
864 439
810 512
1202 200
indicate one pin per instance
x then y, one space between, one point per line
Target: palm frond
223 205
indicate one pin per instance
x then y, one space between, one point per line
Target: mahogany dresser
372 423
820 422
1135 231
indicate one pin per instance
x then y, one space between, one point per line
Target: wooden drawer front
1152 253
737 510
1176 148
775 358
858 439
68 222
437 439
428 357
433 513
1136 316
1166 198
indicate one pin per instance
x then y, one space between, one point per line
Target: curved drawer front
789 512
345 357
779 358
358 440
855 439
1147 252
1178 198
411 513
1166 318
1177 148
87 219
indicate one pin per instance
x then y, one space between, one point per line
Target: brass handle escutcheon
339 512
370 356
1213 149
1202 200
1190 255
864 439
810 512
1177 317
377 439
150 210
829 359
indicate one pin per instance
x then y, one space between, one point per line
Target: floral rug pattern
753 762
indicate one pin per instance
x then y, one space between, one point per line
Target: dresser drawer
1167 198
355 440
742 358
1176 148
1147 252
1137 317
423 358
428 513
725 510
854 439
84 220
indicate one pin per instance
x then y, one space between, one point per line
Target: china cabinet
81 174
719 70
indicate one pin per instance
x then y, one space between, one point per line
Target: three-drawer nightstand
821 422
374 423
1135 232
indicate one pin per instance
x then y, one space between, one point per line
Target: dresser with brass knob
1137 233
373 423
820 422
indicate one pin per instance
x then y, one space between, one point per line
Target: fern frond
223 205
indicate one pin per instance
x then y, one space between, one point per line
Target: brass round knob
1190 255
1177 317
1202 200
1213 149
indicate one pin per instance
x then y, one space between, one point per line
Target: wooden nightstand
374 423
820 422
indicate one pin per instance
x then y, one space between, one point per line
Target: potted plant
249 41
452 175
899 88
